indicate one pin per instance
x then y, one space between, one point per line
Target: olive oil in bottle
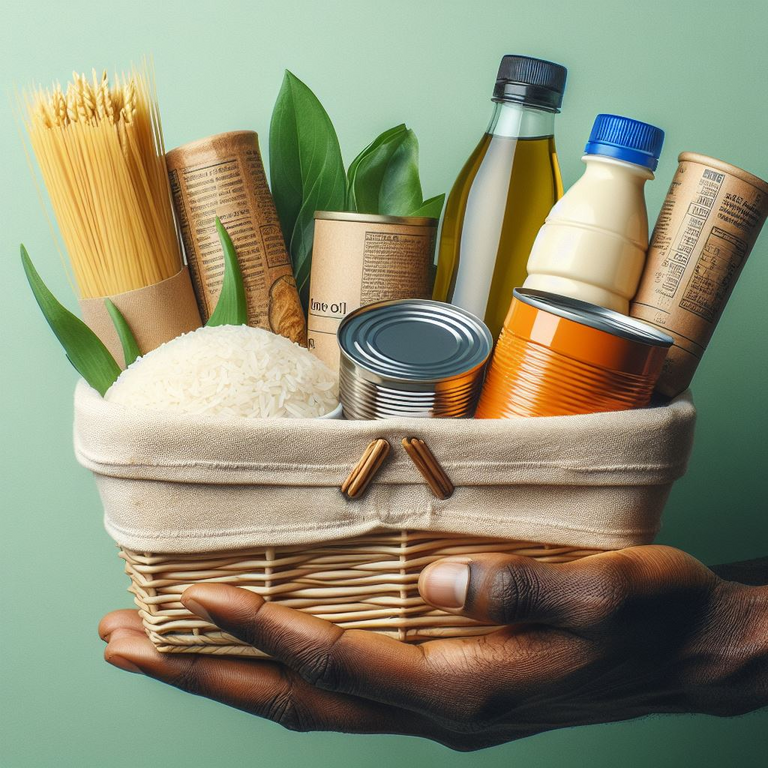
503 194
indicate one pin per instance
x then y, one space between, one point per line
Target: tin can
707 227
223 176
557 356
360 259
415 358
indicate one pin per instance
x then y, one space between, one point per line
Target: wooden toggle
365 469
429 467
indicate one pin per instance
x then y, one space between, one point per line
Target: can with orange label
557 356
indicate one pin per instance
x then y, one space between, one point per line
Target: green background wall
695 68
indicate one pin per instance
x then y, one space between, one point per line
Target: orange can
557 356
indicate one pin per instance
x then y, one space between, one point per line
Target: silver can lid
375 218
594 316
414 340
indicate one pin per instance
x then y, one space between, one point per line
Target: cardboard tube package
358 259
707 226
155 314
223 176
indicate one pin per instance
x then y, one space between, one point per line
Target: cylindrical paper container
223 176
708 224
359 259
557 356
155 314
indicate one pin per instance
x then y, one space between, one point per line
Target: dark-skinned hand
611 637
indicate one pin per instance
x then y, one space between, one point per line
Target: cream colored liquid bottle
503 194
593 244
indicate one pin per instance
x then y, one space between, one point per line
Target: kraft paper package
155 314
708 225
176 483
360 259
223 176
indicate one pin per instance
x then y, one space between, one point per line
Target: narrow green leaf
431 208
400 192
84 349
306 170
231 308
128 341
367 170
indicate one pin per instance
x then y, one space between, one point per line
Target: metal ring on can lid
414 340
594 316
375 218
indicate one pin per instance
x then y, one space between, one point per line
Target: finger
266 689
510 589
123 619
354 662
655 567
126 631
453 682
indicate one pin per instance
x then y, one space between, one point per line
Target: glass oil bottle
503 194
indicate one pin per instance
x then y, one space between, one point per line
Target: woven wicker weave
367 582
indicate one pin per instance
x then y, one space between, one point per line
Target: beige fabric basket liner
176 483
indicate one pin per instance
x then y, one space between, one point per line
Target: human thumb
504 589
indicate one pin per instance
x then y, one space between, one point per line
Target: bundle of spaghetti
101 155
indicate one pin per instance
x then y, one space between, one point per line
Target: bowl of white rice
230 371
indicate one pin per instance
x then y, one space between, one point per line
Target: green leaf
400 192
301 248
128 341
231 308
84 349
367 170
431 208
306 171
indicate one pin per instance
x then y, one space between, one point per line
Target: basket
258 504
363 582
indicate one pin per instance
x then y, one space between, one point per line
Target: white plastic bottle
593 243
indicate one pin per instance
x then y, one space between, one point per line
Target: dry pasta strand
102 158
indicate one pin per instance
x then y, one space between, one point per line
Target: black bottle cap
530 81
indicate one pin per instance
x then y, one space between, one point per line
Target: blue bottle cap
626 139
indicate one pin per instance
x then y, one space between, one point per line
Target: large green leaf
231 307
301 247
431 208
366 172
84 349
400 192
127 340
306 170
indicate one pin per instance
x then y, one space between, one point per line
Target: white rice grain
228 372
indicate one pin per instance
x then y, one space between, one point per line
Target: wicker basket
270 505
365 582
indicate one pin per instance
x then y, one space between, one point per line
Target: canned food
359 259
223 176
413 357
707 228
557 356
